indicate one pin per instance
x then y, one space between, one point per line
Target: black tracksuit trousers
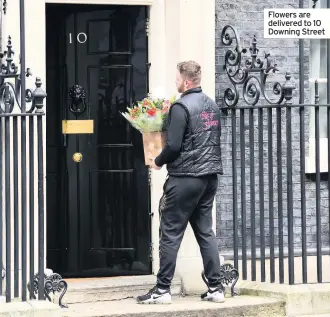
187 199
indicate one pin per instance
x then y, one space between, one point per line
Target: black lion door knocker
77 97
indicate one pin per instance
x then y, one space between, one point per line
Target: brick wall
247 17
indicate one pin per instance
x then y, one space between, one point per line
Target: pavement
181 306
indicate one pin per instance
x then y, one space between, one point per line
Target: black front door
98 221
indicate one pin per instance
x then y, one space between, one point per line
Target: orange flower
165 109
146 103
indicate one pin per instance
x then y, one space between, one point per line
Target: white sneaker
155 296
216 295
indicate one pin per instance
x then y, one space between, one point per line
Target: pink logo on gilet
208 121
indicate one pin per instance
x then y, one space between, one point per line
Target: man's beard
181 89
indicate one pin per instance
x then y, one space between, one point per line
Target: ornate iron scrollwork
4 6
250 72
9 91
53 284
228 275
77 96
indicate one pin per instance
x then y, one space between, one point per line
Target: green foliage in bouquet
149 114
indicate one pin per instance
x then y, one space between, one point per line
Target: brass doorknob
77 157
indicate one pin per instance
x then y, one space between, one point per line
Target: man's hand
154 166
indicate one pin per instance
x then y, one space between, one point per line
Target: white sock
213 288
162 290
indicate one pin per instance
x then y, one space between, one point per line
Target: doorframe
156 40
155 59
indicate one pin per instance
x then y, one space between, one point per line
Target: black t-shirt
178 121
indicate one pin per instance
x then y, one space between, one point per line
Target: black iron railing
21 129
19 125
268 171
22 125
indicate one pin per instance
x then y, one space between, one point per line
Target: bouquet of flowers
149 116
